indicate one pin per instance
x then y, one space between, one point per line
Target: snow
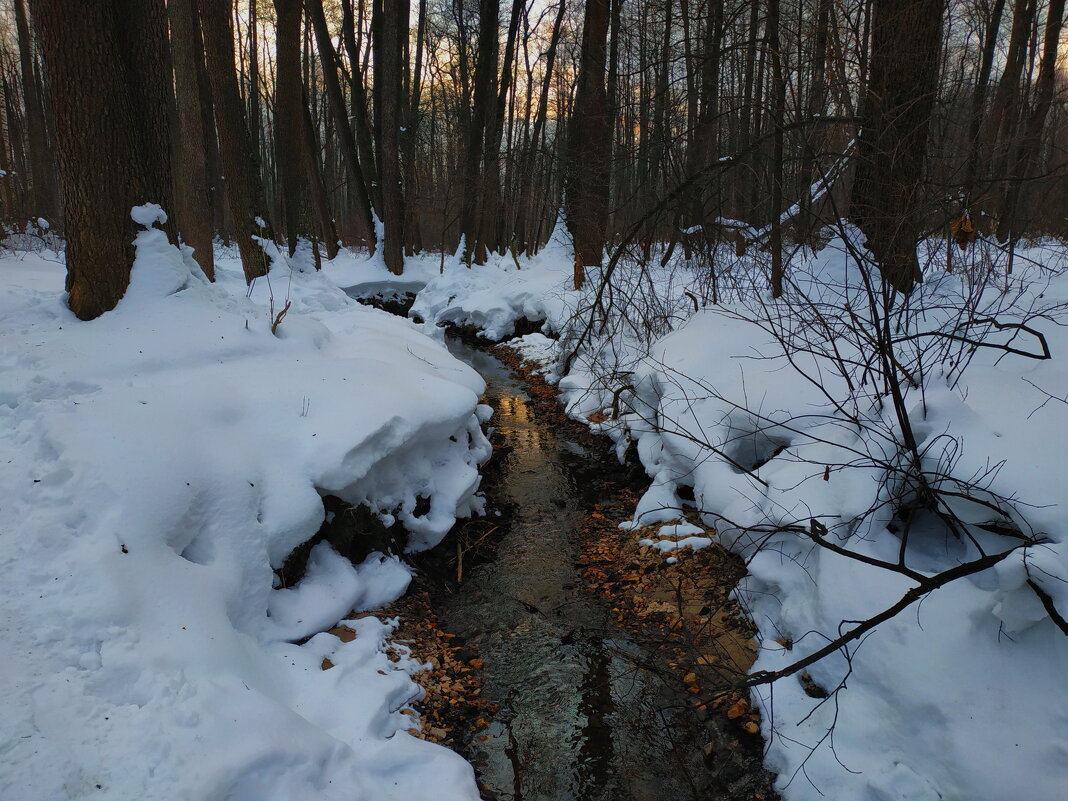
161 460
494 296
148 215
962 695
331 586
158 463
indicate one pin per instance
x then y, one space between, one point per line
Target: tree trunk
354 169
491 193
361 123
113 151
294 162
1030 145
778 110
388 48
192 202
906 41
485 77
244 189
319 199
979 100
45 192
589 145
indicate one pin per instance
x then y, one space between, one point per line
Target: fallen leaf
738 708
343 633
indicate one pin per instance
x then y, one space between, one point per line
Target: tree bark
491 192
906 42
45 192
192 201
294 162
361 122
388 82
1030 146
485 76
244 189
346 139
108 134
586 195
778 111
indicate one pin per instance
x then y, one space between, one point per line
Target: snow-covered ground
158 463
962 696
161 460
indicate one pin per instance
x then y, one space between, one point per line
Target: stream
577 719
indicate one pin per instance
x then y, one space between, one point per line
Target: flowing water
577 719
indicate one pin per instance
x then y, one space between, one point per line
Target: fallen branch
278 317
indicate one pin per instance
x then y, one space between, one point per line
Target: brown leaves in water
453 707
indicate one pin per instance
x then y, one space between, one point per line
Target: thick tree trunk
289 138
244 190
586 195
906 40
192 201
388 48
110 134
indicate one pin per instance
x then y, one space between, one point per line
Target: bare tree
244 189
586 198
111 141
905 48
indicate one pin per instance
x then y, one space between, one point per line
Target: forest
548 399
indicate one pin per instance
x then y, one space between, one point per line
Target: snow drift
159 463
962 695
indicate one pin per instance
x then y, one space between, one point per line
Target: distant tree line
410 125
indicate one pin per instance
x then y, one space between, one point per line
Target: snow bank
492 297
159 462
962 696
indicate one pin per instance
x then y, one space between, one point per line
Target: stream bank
567 661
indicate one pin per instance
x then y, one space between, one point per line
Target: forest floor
692 636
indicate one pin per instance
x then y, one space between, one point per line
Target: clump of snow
494 296
148 215
331 586
538 350
159 462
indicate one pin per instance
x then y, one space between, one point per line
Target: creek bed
578 719
581 716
